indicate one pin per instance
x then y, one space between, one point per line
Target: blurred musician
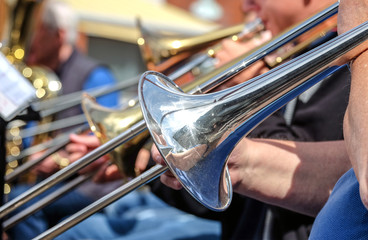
54 46
315 116
301 175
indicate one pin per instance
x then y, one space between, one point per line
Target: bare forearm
355 123
294 175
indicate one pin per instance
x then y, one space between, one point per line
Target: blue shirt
101 76
344 215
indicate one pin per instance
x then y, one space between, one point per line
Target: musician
54 46
300 175
313 116
316 116
345 215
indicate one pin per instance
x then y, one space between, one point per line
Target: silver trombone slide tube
268 48
56 144
70 169
103 202
57 104
62 138
76 120
308 69
141 126
53 126
9 223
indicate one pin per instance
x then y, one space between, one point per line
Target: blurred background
108 29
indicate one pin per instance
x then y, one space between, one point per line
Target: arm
294 176
355 122
297 175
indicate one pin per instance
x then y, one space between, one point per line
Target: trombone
173 45
161 54
140 126
207 178
162 83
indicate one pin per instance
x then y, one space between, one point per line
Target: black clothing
316 117
72 82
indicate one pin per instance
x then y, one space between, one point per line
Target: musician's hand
167 178
142 160
231 49
351 14
107 173
48 166
110 172
81 145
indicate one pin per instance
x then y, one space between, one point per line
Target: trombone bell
196 133
107 123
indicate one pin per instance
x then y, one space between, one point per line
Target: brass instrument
220 120
140 126
107 123
161 53
46 83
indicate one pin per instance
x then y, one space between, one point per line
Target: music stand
16 94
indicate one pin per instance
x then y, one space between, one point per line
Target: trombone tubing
267 49
140 126
94 207
57 104
315 61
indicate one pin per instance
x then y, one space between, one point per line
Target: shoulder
99 76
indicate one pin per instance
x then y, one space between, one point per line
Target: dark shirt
317 117
344 215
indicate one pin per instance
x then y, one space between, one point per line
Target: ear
61 36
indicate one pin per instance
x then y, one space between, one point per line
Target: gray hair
59 15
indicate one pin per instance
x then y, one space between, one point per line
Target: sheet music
16 92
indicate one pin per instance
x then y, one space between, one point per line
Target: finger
107 173
94 165
170 181
142 160
99 177
75 156
156 156
76 147
112 173
89 140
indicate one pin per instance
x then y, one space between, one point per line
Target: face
44 49
278 15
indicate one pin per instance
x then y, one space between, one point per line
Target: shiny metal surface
196 133
219 77
107 123
141 126
157 170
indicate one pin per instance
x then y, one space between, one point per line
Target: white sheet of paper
16 92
